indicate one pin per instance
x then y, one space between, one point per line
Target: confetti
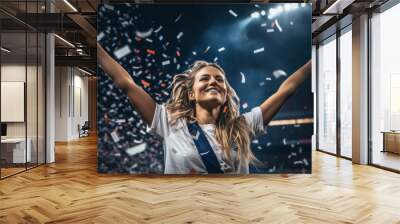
165 93
194 53
114 136
215 59
149 40
178 18
107 6
179 35
279 73
305 161
158 29
291 23
221 49
122 52
140 140
270 30
268 79
136 149
207 49
144 83
255 141
263 24
178 53
243 77
120 121
245 105
125 23
256 51
167 62
152 52
137 74
297 162
278 26
272 170
100 36
232 13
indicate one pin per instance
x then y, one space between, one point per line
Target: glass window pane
41 98
346 94
13 86
385 84
31 97
327 96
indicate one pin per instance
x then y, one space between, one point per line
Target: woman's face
209 87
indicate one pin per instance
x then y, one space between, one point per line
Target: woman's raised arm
272 105
142 101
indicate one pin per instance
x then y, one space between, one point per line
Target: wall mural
171 76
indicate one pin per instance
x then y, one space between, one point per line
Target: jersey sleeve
255 121
160 124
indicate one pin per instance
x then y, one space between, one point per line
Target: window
327 96
346 93
385 89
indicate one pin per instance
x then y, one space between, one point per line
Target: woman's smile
213 90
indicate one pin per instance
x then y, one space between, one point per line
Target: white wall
33 126
71 93
14 73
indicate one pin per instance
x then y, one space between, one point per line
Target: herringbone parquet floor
71 191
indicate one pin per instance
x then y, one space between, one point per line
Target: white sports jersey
181 155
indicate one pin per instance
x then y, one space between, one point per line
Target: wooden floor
71 191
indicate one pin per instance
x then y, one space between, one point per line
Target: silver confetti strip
259 50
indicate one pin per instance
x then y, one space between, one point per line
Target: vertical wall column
50 92
50 99
360 90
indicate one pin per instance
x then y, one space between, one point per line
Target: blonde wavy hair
231 130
